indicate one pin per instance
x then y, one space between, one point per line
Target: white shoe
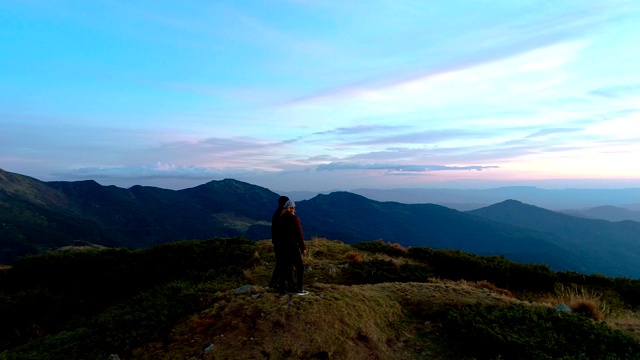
302 292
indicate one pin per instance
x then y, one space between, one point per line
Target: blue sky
322 95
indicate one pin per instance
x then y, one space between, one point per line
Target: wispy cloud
618 91
298 92
398 168
553 131
156 170
361 130
421 137
491 43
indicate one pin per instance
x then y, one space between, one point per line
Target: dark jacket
276 228
292 231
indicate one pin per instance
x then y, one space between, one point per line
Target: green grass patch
517 331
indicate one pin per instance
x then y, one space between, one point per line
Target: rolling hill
354 218
606 212
37 216
611 248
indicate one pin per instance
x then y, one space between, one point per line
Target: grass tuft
354 257
586 308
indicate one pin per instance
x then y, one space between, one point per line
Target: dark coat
276 228
291 228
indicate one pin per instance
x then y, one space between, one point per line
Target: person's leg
275 276
299 266
286 272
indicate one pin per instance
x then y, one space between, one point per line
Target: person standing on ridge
294 247
276 240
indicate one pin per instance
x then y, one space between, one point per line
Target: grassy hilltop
208 300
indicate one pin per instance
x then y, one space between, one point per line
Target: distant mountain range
471 199
606 212
611 247
39 216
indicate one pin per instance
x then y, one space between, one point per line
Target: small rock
246 289
209 348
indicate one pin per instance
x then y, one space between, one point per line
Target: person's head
290 206
282 200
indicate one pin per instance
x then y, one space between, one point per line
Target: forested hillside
609 247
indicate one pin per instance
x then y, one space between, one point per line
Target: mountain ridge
466 199
585 237
143 216
431 225
606 212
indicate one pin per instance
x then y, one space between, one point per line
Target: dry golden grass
326 250
586 308
400 247
354 257
333 321
580 300
324 262
382 321
628 321
606 307
489 286
81 248
336 321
